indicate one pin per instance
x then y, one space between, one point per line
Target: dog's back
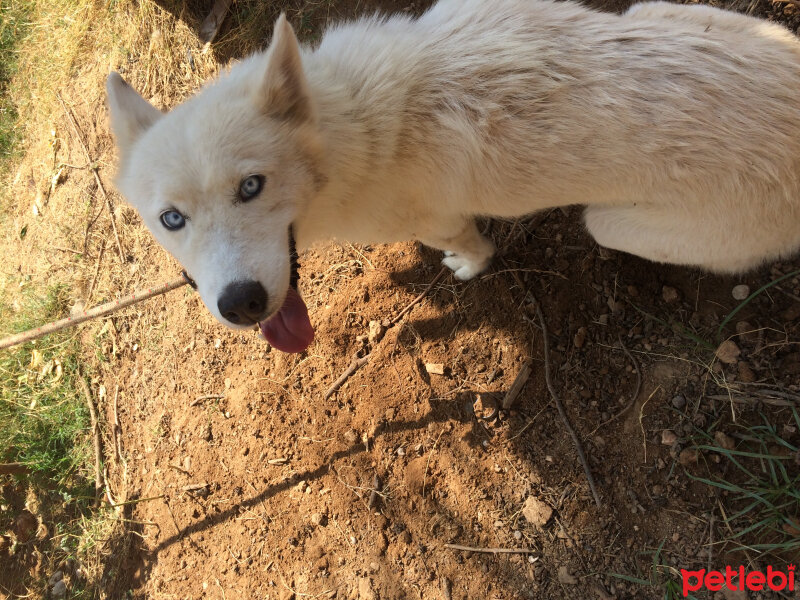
524 104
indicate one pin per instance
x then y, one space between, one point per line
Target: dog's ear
131 115
284 91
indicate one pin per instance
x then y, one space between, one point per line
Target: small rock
728 352
791 313
688 456
447 587
740 292
668 437
679 402
536 512
365 591
670 294
724 440
746 373
55 578
319 519
59 590
376 331
564 576
580 337
485 406
434 368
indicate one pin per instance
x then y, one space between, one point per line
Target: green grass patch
763 487
44 421
14 25
662 581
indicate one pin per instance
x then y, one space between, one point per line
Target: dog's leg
670 235
467 252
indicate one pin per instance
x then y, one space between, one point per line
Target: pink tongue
289 330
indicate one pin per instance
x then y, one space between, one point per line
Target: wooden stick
14 469
635 395
560 406
98 473
210 27
491 550
421 295
354 366
92 313
100 186
519 382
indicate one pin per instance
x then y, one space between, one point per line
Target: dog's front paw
465 268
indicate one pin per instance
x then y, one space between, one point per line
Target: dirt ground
246 480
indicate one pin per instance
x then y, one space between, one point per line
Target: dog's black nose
243 302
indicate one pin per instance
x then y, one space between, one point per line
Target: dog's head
220 179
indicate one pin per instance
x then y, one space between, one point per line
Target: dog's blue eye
251 187
172 220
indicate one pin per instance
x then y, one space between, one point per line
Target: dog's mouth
290 330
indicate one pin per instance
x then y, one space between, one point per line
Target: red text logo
756 581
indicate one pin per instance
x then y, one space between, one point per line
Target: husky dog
678 126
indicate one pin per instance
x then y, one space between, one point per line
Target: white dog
679 126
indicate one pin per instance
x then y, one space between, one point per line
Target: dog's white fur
679 126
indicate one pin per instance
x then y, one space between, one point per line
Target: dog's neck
360 146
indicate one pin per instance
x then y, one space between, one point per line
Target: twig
751 400
635 395
117 429
357 363
491 550
98 473
139 501
92 313
373 496
14 468
206 397
102 189
548 380
354 366
96 271
560 406
421 295
519 382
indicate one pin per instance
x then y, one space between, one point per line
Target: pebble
670 294
740 292
580 337
668 437
376 331
434 368
688 456
724 440
59 590
517 534
536 512
746 373
728 352
679 402
55 578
